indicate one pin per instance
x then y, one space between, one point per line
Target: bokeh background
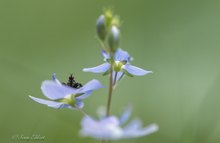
178 40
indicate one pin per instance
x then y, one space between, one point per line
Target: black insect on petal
72 83
77 85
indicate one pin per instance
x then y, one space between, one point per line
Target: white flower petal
98 69
52 104
121 55
125 115
105 129
53 90
133 70
90 86
138 132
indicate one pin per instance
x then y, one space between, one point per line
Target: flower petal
90 86
132 133
133 125
105 129
121 55
125 115
110 121
98 69
54 90
85 95
89 127
105 54
52 104
54 78
133 70
79 104
118 76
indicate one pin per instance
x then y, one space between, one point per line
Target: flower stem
115 79
109 94
109 99
82 111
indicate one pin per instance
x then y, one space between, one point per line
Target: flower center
69 99
117 65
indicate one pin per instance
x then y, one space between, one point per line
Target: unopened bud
108 17
113 39
101 27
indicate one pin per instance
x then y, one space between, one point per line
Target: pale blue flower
63 96
121 65
113 128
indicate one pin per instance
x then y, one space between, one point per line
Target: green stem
109 94
109 99
82 111
115 79
111 84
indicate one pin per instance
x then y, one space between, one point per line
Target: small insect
72 83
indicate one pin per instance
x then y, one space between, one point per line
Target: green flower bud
116 21
108 16
101 27
113 39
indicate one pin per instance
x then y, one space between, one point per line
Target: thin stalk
110 89
115 79
109 99
109 94
82 111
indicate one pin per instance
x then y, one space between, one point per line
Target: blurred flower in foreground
63 96
110 128
120 65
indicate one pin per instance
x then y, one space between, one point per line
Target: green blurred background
178 40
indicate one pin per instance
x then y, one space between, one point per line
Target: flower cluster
117 64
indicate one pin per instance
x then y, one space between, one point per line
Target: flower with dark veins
113 128
120 65
63 96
